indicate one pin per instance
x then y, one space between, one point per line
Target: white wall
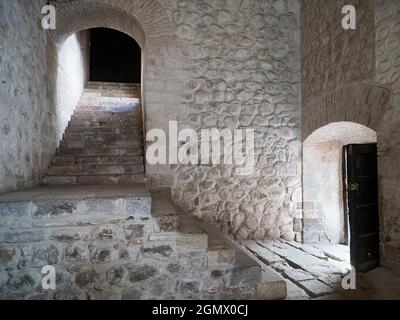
25 136
72 74
40 85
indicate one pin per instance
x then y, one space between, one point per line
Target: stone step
244 269
120 143
111 107
77 160
99 136
95 169
105 90
104 113
109 100
114 124
100 130
220 252
99 151
131 93
111 92
131 118
101 84
94 179
80 140
62 202
119 94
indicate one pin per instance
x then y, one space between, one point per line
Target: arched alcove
324 217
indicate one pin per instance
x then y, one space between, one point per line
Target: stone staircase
105 233
119 242
103 143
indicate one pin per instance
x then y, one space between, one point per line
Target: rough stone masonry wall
40 85
387 20
243 72
112 249
331 56
350 76
25 134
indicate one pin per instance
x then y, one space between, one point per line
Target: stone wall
243 73
387 52
332 56
41 84
354 76
117 248
25 133
72 75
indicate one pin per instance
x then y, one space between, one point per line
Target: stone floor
315 272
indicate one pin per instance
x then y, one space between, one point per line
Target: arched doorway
325 185
163 59
114 57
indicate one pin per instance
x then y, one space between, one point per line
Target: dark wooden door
361 194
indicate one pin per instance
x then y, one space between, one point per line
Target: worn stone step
117 110
220 252
81 140
113 95
99 151
105 113
96 94
122 109
96 123
111 107
119 94
94 179
104 101
107 117
112 84
94 169
71 160
60 203
100 130
122 143
98 136
241 266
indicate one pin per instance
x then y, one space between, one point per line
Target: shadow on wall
323 214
